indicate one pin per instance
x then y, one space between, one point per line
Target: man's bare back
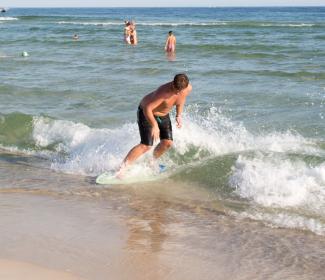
164 98
170 45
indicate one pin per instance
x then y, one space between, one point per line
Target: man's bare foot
120 173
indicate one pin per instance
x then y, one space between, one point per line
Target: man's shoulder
164 89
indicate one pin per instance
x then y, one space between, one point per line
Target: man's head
180 82
170 33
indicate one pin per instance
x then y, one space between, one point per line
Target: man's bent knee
145 148
167 143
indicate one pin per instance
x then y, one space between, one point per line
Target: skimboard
109 178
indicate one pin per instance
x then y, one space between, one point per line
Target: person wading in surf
154 121
170 45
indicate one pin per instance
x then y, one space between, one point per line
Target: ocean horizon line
164 7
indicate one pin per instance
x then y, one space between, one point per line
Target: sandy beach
70 237
140 232
14 270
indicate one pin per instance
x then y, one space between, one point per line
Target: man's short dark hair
170 32
180 82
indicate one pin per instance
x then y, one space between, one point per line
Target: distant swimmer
154 121
75 37
130 33
127 32
133 34
170 45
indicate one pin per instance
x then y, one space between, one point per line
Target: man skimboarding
154 121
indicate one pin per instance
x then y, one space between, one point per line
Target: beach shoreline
96 237
16 270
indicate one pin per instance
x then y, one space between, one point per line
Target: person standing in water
133 34
127 32
170 45
154 121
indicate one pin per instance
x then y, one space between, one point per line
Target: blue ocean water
254 126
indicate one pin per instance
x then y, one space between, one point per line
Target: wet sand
13 270
96 238
66 224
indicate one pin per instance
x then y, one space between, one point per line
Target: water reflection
147 225
171 56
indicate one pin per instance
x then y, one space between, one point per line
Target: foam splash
87 151
90 151
84 150
216 133
274 181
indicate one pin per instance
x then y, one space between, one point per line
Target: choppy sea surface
253 139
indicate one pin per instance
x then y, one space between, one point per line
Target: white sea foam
286 220
188 23
89 151
214 132
29 152
145 23
8 18
182 23
288 24
93 150
90 23
274 181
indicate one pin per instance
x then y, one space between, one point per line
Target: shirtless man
154 121
170 45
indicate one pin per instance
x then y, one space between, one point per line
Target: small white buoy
24 54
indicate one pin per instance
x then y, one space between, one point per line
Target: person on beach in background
133 34
75 37
127 32
170 45
154 121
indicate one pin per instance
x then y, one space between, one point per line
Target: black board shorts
164 124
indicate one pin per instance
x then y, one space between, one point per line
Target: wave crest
8 18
